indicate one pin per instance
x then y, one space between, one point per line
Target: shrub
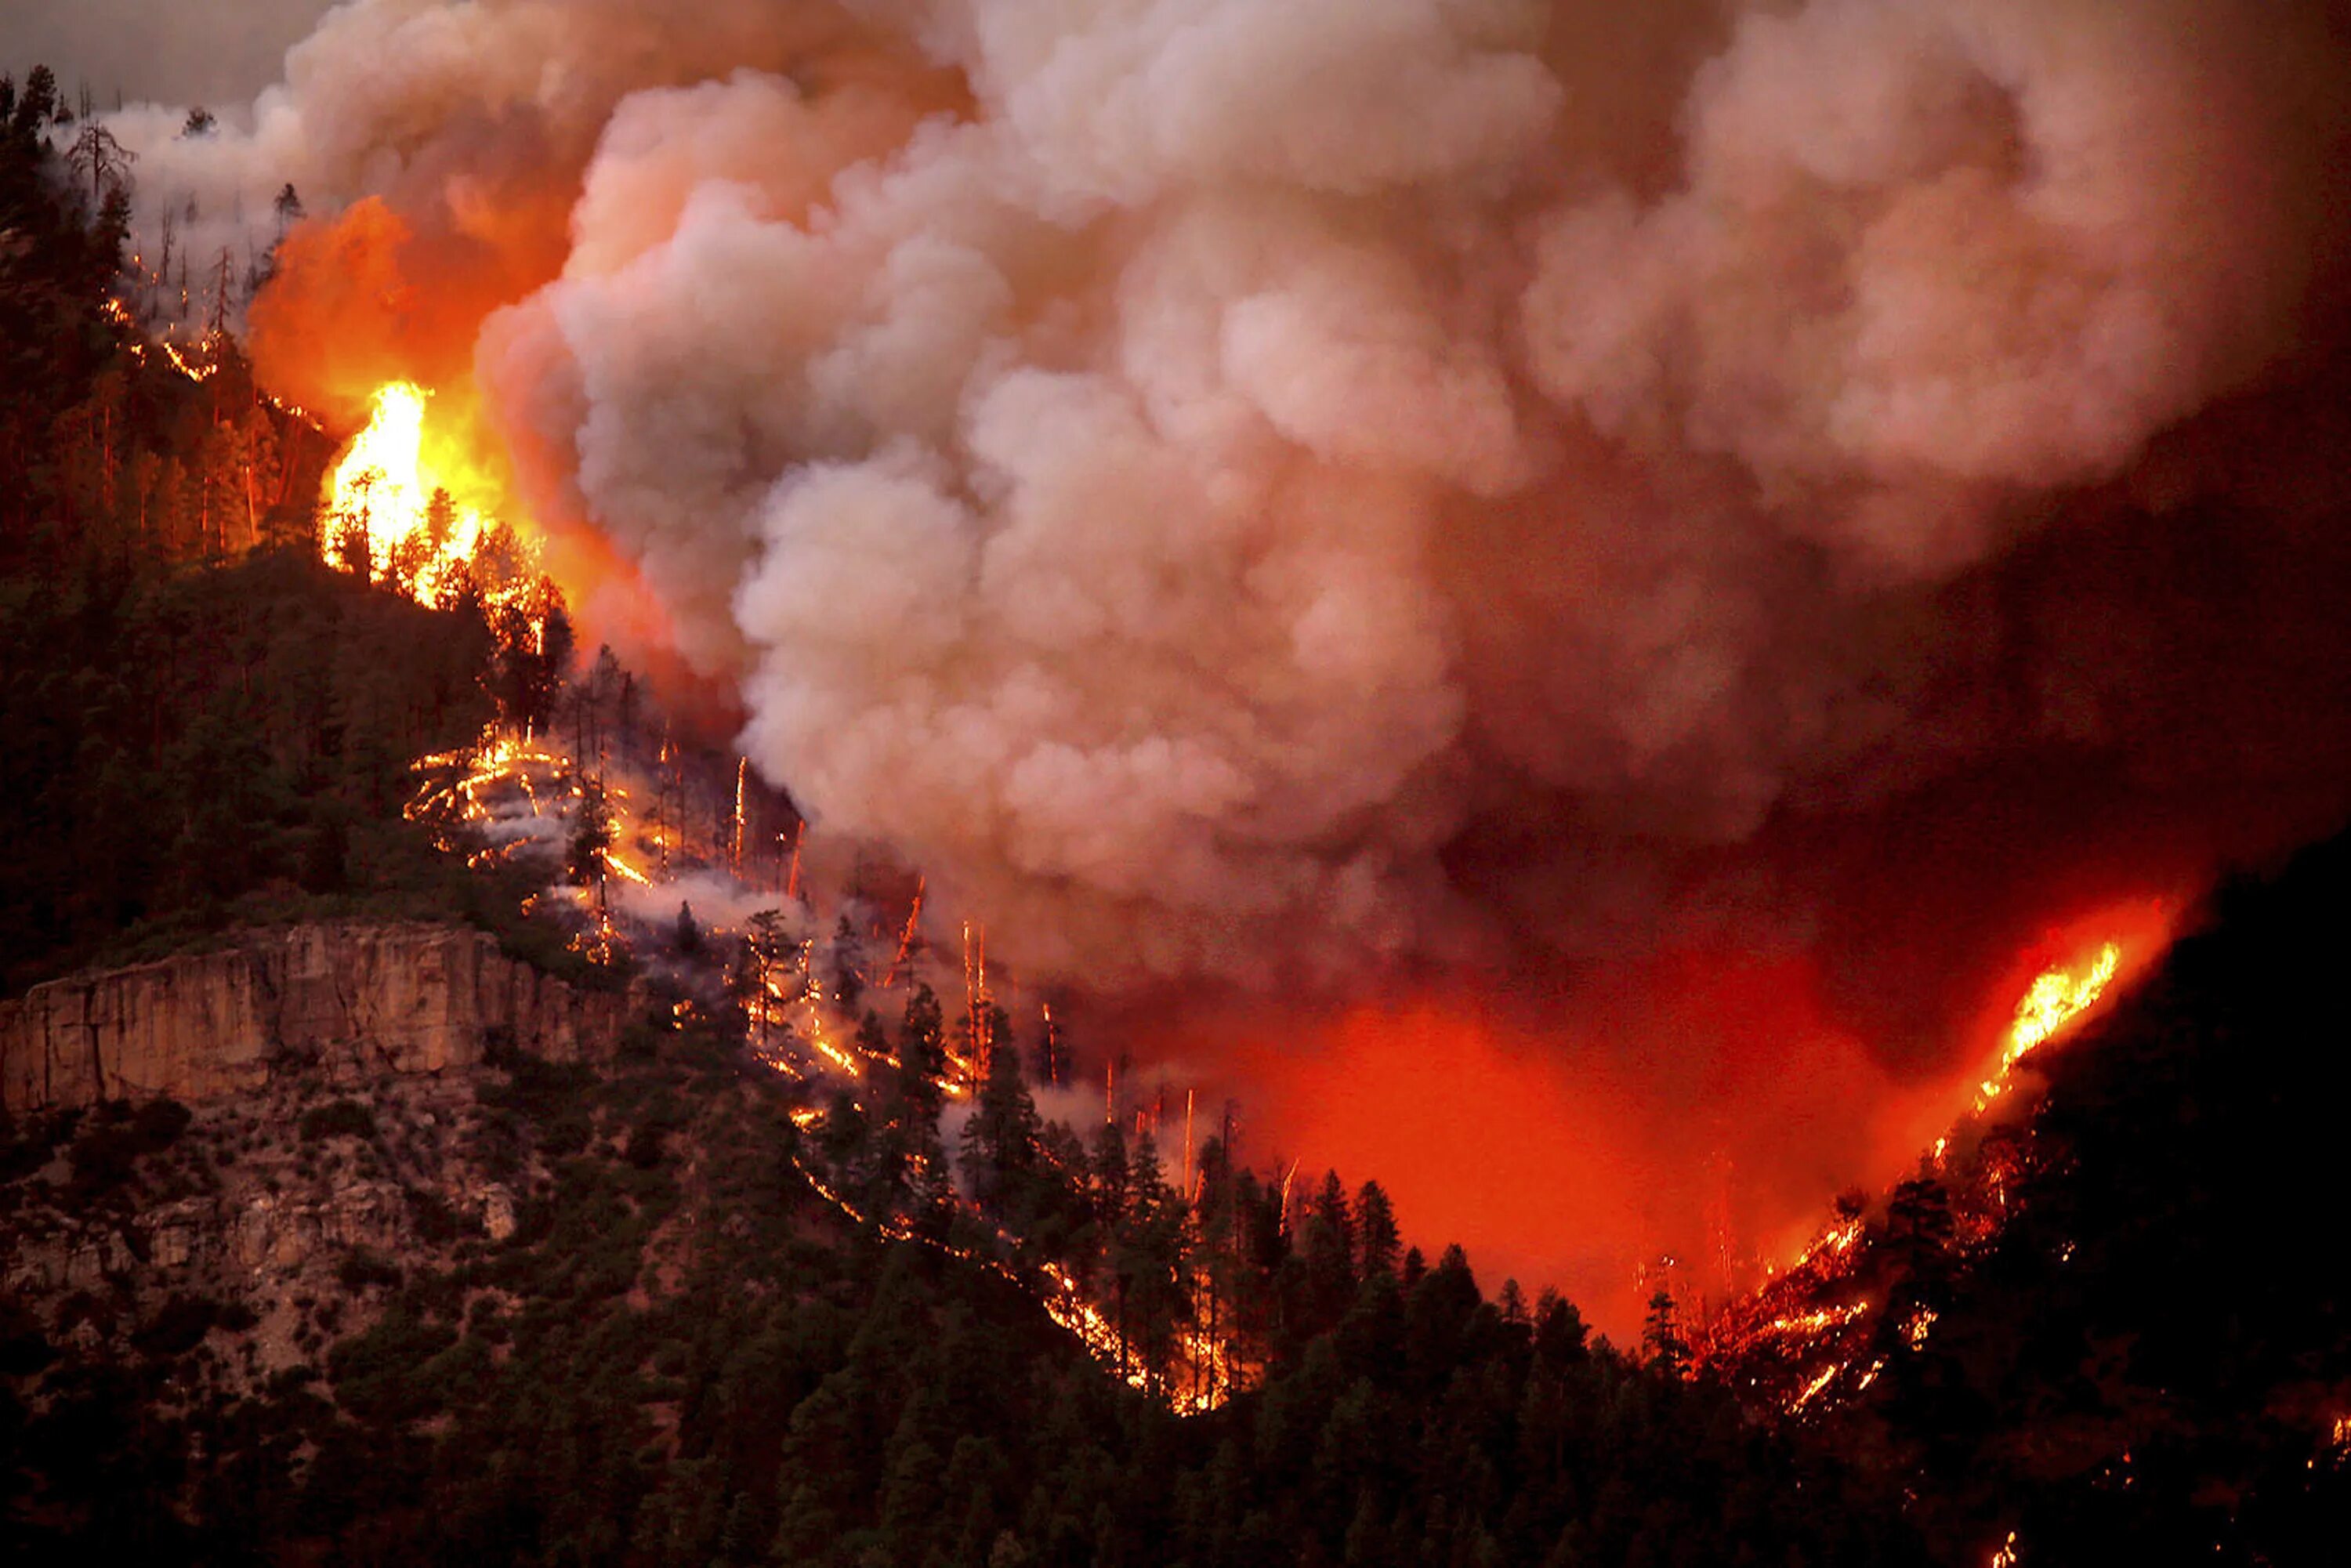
102 1159
158 1124
566 1131
433 1295
178 1326
360 1268
338 1119
376 1374
436 1221
24 1348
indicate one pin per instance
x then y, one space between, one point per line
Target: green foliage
196 750
189 749
386 1375
436 1223
703 1361
646 1145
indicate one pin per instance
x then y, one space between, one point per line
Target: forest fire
1598 656
834 498
525 800
2057 997
1820 1331
389 507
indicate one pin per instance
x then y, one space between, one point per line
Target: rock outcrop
264 1232
351 1002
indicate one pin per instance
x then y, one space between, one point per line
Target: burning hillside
1819 1333
1613 621
1720 513
2059 1302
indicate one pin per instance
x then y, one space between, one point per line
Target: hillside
2119 1326
527 1312
396 1167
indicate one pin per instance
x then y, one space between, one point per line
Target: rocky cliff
350 1002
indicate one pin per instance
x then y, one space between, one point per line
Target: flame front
2056 999
385 491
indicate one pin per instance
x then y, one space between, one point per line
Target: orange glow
1688 1122
2054 1001
362 299
387 486
1704 1109
371 300
2056 983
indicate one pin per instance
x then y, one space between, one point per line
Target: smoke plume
1181 492
1401 488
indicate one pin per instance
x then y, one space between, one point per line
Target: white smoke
1174 479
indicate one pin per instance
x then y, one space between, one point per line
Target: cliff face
351 1002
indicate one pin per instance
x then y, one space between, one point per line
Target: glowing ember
2056 998
2006 1556
1837 1239
907 938
385 491
1812 1390
1818 1322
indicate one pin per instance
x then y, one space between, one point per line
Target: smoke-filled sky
1362 498
193 51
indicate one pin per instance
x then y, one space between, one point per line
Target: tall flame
417 537
2056 997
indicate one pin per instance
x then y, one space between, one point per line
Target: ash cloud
1281 491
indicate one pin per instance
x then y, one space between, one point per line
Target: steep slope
2119 1328
525 1312
345 1002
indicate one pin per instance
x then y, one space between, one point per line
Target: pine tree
1000 1141
1661 1337
1377 1226
845 965
921 1050
104 162
591 836
1147 1259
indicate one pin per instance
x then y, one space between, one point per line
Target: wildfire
1207 1373
1837 1242
2055 998
387 492
1817 1321
1800 1333
1812 1390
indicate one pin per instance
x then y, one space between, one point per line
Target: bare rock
497 1212
352 1001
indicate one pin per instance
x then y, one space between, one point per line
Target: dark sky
216 52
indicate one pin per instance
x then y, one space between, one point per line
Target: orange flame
416 534
2056 997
